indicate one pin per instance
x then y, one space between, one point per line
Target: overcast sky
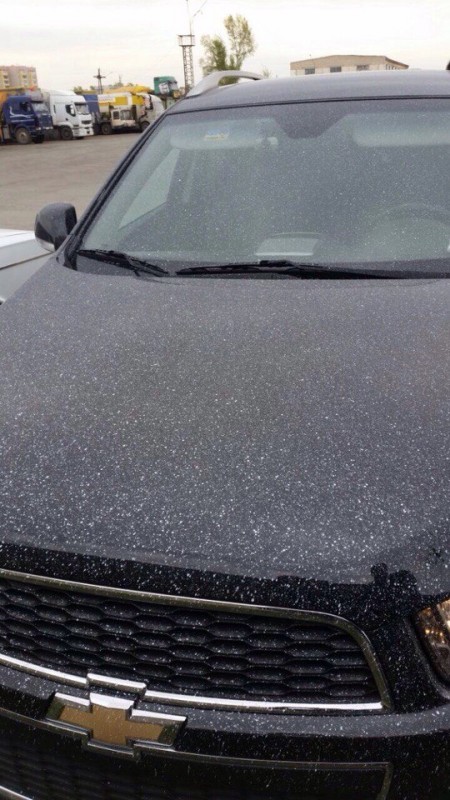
136 39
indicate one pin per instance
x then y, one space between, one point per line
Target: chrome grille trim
218 605
262 707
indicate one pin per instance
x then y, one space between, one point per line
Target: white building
342 63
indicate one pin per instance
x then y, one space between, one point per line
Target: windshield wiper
124 260
233 266
293 268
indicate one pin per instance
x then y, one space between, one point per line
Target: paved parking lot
33 175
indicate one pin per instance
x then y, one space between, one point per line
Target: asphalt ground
36 174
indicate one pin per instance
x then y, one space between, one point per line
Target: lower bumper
392 757
37 766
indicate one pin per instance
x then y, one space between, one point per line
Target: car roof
338 86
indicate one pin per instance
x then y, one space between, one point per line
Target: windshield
41 107
82 108
334 183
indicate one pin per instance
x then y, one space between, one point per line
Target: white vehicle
20 256
70 114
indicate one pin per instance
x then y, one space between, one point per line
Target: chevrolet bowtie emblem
112 723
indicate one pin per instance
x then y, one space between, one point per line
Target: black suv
224 489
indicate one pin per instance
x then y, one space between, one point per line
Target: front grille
184 649
44 770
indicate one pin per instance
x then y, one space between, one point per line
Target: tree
241 45
216 57
78 89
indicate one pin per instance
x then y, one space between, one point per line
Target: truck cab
70 114
167 89
24 118
128 110
116 113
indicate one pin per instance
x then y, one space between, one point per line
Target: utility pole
187 43
99 77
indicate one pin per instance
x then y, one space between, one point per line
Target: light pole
187 44
189 17
194 15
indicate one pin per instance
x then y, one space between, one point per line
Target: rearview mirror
53 225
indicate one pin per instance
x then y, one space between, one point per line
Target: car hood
17 246
20 256
241 426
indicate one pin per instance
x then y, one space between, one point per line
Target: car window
345 182
155 190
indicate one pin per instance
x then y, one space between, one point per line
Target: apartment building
18 76
4 78
344 63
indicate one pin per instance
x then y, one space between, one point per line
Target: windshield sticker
212 136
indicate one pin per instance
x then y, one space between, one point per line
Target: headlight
434 625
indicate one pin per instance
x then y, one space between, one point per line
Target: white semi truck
70 114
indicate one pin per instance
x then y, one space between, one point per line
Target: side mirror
53 225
